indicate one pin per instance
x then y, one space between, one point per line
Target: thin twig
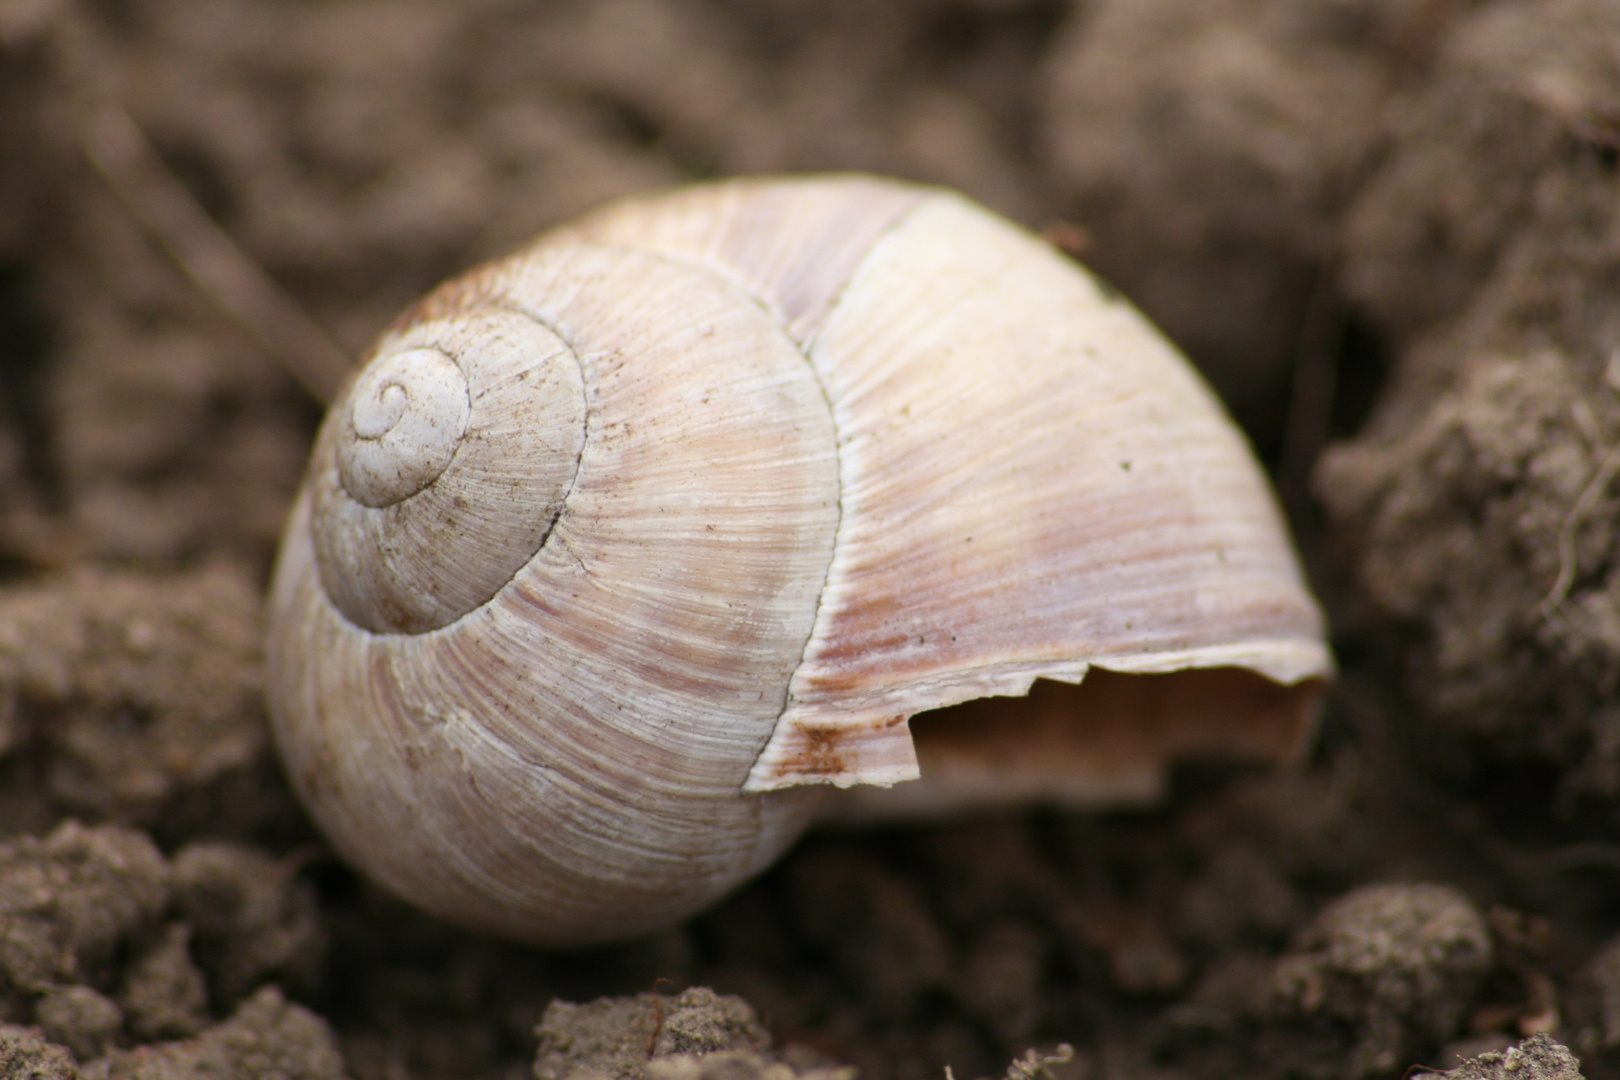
1567 565
1034 1064
207 254
159 202
658 1014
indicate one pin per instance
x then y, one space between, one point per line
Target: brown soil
1391 226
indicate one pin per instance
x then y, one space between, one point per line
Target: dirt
1539 1057
1386 229
1479 492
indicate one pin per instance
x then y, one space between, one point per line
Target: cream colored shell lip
623 548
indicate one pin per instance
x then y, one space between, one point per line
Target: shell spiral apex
620 550
407 415
453 452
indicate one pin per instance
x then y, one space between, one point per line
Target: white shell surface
407 417
1032 479
1033 482
809 457
793 245
481 422
563 764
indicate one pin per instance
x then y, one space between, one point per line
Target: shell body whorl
618 544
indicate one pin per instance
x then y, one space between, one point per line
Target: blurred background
1200 156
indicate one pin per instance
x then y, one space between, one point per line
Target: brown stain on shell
821 750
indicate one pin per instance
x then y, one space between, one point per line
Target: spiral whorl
445 465
407 415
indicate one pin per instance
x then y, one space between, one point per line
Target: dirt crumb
69 900
1239 893
164 996
1401 962
1518 97
1000 978
267 1036
1595 1001
734 1065
97 933
695 1035
703 1022
135 695
1208 150
1486 245
882 934
1539 1057
25 1055
1462 520
251 916
86 1022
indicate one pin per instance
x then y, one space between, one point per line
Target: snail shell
617 549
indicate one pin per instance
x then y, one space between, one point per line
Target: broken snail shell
618 549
